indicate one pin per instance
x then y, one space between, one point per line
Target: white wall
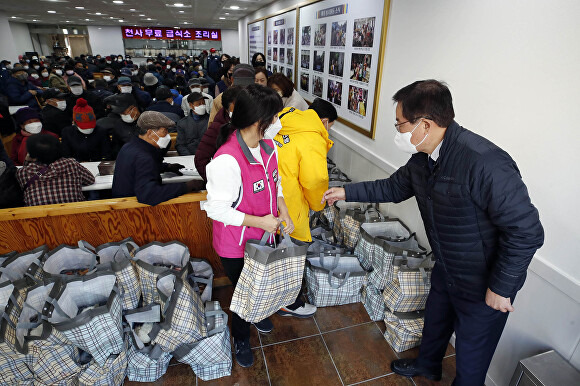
512 70
7 47
21 37
106 40
231 42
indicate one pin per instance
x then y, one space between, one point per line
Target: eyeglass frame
398 125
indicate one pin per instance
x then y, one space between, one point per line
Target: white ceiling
163 13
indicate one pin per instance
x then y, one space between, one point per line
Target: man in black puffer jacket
480 222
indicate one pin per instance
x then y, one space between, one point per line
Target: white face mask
126 89
34 127
162 142
174 69
108 62
76 90
69 72
127 118
45 74
107 78
58 72
280 93
9 67
230 113
199 110
134 72
403 141
195 89
273 129
86 131
168 66
36 67
61 105
205 90
35 76
25 67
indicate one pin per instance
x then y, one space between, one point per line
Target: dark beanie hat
25 114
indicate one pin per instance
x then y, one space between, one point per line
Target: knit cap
83 115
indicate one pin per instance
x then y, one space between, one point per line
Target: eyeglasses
398 125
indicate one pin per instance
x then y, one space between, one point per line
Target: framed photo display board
255 38
340 51
281 44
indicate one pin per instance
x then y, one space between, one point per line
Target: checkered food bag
211 357
23 265
6 256
158 258
111 373
386 250
372 299
342 208
67 263
319 220
404 329
182 315
87 311
145 362
334 279
336 178
54 359
372 234
201 278
330 213
352 222
410 285
271 278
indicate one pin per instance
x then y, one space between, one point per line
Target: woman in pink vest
244 193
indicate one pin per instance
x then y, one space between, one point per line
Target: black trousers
233 268
477 327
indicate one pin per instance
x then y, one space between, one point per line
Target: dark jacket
11 195
17 93
122 132
93 100
207 146
85 147
165 107
54 119
137 173
190 130
479 219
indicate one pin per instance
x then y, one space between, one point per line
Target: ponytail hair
225 132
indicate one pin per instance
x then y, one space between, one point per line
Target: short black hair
324 109
45 148
282 82
230 95
429 99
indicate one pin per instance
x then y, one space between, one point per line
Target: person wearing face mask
240 209
54 114
69 72
121 122
83 72
77 91
226 79
195 85
34 78
213 64
191 129
258 61
19 91
109 77
44 76
479 220
243 75
55 79
81 141
29 123
151 83
207 146
164 103
125 86
285 88
140 163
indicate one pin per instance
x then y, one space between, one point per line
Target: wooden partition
102 221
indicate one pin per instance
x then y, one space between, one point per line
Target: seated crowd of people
58 112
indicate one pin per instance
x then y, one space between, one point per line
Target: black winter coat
85 147
54 119
122 132
479 219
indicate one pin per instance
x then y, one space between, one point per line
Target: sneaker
264 326
306 311
244 355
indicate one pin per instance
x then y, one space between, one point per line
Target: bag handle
129 253
207 292
86 247
217 330
334 265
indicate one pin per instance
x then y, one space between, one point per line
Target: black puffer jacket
478 216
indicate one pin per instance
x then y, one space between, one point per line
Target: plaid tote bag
111 373
211 357
372 234
201 278
157 258
146 362
341 209
404 329
67 263
271 278
87 311
352 222
23 265
334 279
372 300
410 285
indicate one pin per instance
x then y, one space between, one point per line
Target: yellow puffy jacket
303 145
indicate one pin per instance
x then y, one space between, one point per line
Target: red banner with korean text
164 33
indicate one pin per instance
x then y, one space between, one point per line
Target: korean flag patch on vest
258 186
275 175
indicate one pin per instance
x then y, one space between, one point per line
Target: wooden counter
102 221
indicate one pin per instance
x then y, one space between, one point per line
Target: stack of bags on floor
336 178
93 316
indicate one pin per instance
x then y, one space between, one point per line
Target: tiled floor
339 346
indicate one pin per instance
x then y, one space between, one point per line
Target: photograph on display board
269 37
290 56
336 64
275 58
289 73
305 59
269 53
334 93
360 67
304 81
317 84
282 36
320 35
270 67
318 61
306 36
357 100
364 32
282 54
275 36
338 34
275 68
290 36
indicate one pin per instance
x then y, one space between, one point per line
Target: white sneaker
306 311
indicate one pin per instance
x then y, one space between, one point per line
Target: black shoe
264 326
244 355
409 368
